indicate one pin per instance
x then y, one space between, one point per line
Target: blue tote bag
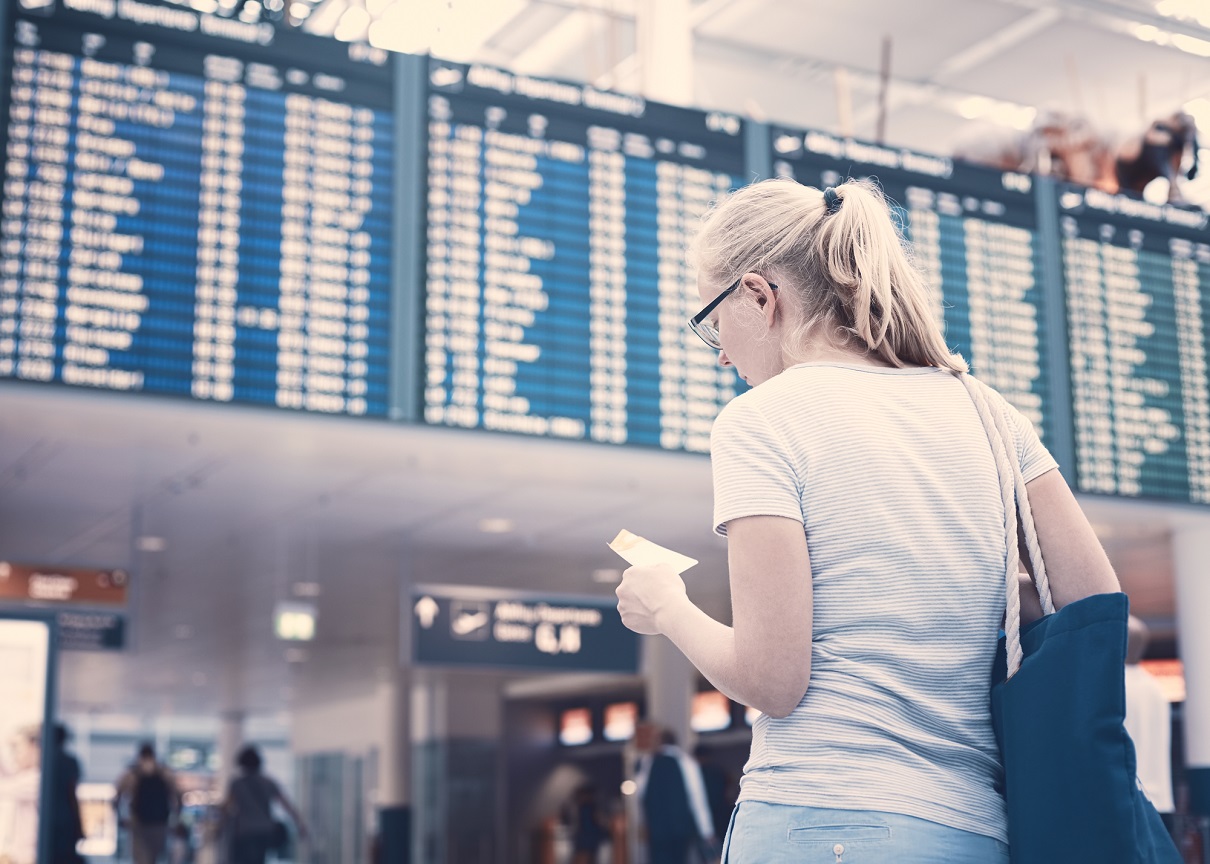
1058 705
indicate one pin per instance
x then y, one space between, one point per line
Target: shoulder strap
1016 501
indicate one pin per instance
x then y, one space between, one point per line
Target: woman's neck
828 353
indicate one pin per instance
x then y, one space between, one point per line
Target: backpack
150 804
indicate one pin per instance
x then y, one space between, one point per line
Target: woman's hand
645 592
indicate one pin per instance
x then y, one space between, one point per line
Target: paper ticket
639 550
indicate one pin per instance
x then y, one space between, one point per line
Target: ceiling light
147 543
324 21
1185 10
496 526
1191 44
295 621
353 24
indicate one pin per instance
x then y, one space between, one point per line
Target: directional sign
62 585
86 630
470 626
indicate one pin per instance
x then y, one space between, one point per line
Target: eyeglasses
706 329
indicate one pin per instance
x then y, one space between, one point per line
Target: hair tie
831 200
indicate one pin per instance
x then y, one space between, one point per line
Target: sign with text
83 630
63 585
472 626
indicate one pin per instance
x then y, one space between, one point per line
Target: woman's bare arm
1076 564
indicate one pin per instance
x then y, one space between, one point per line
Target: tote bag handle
1012 490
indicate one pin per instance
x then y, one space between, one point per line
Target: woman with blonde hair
865 529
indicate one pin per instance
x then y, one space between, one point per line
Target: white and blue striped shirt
892 476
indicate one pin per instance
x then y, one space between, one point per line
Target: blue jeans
781 834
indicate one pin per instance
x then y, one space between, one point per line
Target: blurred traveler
676 815
715 779
248 812
20 784
864 519
588 826
1149 721
66 827
152 799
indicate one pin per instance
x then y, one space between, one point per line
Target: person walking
247 814
1149 722
588 827
861 503
152 799
668 781
66 826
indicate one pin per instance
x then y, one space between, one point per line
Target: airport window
620 720
711 712
575 727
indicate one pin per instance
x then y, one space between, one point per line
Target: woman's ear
766 297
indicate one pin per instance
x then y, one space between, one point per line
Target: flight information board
974 234
195 205
1137 283
558 289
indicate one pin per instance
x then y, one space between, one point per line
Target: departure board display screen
196 206
558 288
1137 282
973 233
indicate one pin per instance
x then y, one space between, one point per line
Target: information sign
558 288
469 626
195 205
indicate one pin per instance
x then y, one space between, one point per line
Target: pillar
665 47
1191 563
394 763
457 794
230 739
671 682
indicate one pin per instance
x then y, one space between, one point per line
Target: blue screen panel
558 288
1137 282
195 206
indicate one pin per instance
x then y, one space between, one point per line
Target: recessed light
148 543
496 526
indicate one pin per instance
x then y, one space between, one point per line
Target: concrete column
230 739
671 683
457 726
665 48
394 705
1191 561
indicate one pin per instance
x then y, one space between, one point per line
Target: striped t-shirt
892 476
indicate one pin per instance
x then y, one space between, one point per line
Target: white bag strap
1012 490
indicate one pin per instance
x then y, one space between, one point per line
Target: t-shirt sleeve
754 472
1034 457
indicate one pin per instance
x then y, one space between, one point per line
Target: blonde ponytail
850 269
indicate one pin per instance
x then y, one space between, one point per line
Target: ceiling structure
960 70
221 511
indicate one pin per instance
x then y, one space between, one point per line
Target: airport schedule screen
1137 285
974 233
558 288
195 206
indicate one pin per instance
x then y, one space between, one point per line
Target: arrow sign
426 611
